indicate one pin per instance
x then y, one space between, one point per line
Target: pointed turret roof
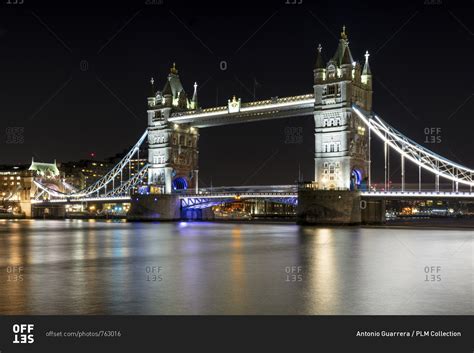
182 99
319 59
173 85
346 58
153 91
366 70
167 89
342 48
195 95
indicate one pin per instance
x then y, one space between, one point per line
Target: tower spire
319 58
343 47
195 96
343 33
174 70
152 82
366 70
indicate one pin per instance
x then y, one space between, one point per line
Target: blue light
180 184
357 174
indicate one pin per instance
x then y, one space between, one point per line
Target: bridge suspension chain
409 149
109 178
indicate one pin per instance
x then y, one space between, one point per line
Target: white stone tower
342 140
172 148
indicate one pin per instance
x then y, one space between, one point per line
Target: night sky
75 76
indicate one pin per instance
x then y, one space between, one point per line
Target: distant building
44 170
85 172
12 181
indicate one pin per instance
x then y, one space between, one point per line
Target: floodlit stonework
341 139
173 148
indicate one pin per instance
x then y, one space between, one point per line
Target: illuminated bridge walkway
206 197
286 194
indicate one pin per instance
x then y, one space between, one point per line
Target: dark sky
75 76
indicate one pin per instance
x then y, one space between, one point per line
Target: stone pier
328 207
337 207
154 207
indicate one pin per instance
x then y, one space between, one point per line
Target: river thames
100 267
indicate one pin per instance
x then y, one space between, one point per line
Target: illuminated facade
173 148
12 182
341 138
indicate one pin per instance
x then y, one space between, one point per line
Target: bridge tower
173 148
342 159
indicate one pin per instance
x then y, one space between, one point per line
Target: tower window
331 89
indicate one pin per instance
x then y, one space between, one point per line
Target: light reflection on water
86 267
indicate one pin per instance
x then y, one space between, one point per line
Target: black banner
244 333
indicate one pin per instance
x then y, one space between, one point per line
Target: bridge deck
394 195
248 112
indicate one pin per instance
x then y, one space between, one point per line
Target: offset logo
23 333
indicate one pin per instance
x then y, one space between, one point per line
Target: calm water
95 267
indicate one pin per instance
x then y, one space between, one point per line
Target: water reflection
82 267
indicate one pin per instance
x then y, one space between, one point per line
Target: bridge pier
372 211
154 207
338 207
341 207
48 211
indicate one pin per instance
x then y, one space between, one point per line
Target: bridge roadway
280 193
218 193
247 112
416 195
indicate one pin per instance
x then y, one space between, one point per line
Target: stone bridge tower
173 148
342 140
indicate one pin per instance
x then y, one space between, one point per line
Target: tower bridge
345 125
